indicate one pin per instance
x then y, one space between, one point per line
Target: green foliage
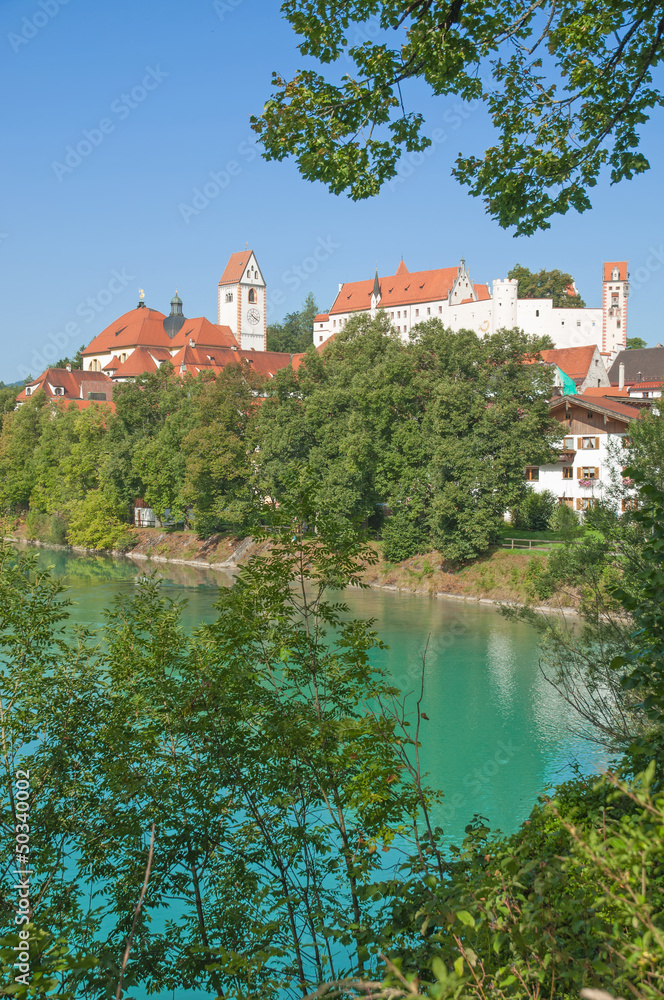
546 285
567 87
635 343
99 521
295 333
427 427
535 511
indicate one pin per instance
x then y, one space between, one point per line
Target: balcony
566 456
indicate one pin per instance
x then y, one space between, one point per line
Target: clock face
253 316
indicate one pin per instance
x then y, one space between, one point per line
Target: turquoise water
497 735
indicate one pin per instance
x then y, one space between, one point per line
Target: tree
76 362
294 334
567 87
635 343
554 285
439 429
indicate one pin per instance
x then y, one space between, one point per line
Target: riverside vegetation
438 431
268 780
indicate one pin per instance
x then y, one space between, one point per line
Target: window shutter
597 442
578 472
579 444
596 473
578 503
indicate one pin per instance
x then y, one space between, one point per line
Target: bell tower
615 289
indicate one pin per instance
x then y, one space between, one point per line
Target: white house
450 295
593 431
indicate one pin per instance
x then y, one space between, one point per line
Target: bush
403 537
535 511
97 523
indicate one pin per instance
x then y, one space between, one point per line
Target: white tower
243 301
615 289
504 306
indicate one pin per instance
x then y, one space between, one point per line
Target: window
97 395
585 503
589 414
568 472
588 472
58 390
440 309
626 441
537 312
399 315
229 296
320 340
578 322
562 322
428 311
28 391
334 322
565 501
618 323
568 444
391 315
629 503
252 294
532 473
588 442
417 312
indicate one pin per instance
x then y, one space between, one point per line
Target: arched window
252 295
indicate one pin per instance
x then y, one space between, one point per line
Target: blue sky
77 241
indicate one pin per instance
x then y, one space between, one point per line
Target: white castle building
450 295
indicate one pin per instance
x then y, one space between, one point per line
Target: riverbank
500 576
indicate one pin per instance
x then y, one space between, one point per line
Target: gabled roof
574 361
112 365
321 318
609 266
138 362
400 289
608 406
71 381
648 361
204 334
235 268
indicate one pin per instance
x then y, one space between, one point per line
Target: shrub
403 537
97 522
535 511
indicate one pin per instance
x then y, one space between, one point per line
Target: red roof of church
402 269
144 327
622 269
138 362
235 267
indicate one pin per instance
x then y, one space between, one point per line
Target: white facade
592 453
486 309
243 301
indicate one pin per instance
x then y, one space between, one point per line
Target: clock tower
243 301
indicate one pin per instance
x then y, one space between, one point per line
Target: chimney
621 376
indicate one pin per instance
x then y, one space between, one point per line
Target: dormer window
616 274
28 391
58 390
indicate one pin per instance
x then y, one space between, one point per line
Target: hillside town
600 387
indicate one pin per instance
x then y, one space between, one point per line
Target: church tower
615 289
243 301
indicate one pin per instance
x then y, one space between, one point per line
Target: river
497 735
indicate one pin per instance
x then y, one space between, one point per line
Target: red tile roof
112 365
574 361
73 383
321 318
235 267
402 269
138 362
600 405
609 266
400 289
145 328
610 390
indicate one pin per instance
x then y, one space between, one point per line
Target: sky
157 95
